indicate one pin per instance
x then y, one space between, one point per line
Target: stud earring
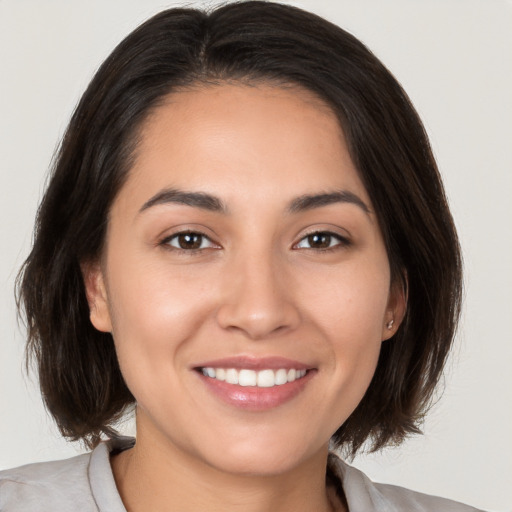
389 325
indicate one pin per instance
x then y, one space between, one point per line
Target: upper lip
254 363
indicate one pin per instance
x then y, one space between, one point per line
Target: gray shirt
85 483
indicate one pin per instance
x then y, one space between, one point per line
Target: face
243 248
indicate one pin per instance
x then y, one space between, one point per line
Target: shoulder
83 483
57 485
363 495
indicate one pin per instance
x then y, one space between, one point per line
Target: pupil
189 241
319 240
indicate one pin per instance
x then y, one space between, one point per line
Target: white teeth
262 379
266 379
231 376
247 378
281 376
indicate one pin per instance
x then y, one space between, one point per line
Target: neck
161 477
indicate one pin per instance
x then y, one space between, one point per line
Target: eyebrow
214 204
308 202
194 199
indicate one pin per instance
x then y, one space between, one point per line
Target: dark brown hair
247 42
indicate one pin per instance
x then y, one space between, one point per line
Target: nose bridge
257 298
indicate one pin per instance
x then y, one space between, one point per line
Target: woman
245 235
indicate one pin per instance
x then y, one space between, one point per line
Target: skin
257 287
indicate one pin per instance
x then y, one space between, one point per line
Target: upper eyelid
184 229
326 232
323 231
167 238
342 238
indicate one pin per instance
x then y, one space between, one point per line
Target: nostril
257 320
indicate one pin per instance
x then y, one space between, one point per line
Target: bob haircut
249 43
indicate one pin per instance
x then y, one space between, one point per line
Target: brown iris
190 240
319 240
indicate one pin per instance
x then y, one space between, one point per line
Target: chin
258 457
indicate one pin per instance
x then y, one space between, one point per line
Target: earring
389 325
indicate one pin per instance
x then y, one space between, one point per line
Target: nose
257 298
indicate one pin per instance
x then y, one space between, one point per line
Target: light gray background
454 57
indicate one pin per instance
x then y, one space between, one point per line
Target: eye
322 240
188 241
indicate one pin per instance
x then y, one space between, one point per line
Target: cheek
350 302
154 311
348 307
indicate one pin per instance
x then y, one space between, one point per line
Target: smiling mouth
266 378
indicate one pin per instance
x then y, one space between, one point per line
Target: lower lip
254 398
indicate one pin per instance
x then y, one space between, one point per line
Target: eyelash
342 241
166 242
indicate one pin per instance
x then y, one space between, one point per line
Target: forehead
239 140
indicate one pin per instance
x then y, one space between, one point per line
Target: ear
396 308
97 298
